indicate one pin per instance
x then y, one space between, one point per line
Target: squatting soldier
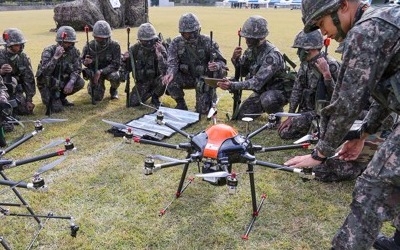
370 63
102 57
16 70
58 73
148 57
5 108
263 67
315 82
191 56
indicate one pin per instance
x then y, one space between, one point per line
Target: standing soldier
102 57
148 59
263 67
314 83
370 63
16 70
191 56
58 73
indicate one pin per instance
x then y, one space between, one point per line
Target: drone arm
171 164
16 184
302 172
178 130
19 142
256 132
277 148
37 158
156 143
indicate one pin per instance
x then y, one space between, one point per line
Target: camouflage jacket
107 59
68 66
22 71
3 91
370 63
192 58
146 63
260 66
307 79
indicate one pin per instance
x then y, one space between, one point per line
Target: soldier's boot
114 93
155 101
181 104
385 243
65 102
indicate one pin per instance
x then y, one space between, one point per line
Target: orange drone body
217 134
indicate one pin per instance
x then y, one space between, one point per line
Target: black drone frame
195 155
37 184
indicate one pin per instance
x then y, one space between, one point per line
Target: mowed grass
116 206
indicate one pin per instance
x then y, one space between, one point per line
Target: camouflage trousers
100 88
299 127
57 106
21 108
376 197
205 94
142 91
270 101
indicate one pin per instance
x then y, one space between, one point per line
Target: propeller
162 112
213 109
219 174
54 143
116 124
43 121
278 114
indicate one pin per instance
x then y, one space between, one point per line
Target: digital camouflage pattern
370 64
188 62
313 10
69 32
149 68
22 75
263 69
107 58
255 27
15 36
146 32
101 29
303 97
52 75
189 23
312 40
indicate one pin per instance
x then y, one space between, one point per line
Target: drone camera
148 165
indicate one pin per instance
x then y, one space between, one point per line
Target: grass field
116 206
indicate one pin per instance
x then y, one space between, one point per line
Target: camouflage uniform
106 58
263 67
4 105
21 87
53 74
148 67
188 63
370 61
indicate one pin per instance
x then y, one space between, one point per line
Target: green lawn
116 206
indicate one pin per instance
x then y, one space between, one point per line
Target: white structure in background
294 4
163 3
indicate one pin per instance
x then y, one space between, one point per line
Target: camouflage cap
69 34
189 23
101 29
255 27
312 40
313 10
146 32
13 36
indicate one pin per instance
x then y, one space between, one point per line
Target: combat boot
385 243
114 93
181 104
66 103
155 101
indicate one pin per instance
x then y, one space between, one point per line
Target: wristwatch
314 155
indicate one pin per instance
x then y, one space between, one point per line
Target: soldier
314 83
5 109
370 62
102 57
263 67
191 56
16 70
148 57
58 73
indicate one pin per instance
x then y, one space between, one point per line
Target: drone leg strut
4 244
253 219
22 200
164 210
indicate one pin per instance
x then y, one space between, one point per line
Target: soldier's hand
5 68
323 67
30 106
59 52
225 84
96 77
213 66
159 48
237 52
286 124
167 79
351 149
125 56
88 60
303 161
69 87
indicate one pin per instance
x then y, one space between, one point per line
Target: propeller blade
280 114
51 144
166 158
215 174
116 124
52 120
303 139
51 165
212 112
11 119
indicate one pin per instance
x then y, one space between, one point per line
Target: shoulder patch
269 59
